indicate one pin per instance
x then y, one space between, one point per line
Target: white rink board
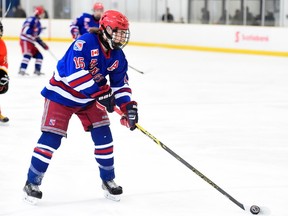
215 36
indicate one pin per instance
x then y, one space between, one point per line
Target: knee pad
50 139
101 135
38 55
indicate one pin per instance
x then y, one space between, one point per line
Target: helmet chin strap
104 41
108 39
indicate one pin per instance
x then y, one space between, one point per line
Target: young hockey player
79 86
83 23
4 79
30 32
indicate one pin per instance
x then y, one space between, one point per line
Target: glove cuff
102 89
128 105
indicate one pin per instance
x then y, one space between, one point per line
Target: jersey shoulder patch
78 45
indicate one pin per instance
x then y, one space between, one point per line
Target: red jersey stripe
104 151
43 152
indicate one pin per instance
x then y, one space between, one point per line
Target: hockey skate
23 72
32 194
37 72
3 119
111 190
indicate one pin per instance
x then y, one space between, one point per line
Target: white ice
225 114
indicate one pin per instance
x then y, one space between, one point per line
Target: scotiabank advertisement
241 37
214 36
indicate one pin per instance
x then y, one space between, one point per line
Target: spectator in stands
167 17
19 12
269 19
237 19
250 19
223 18
205 19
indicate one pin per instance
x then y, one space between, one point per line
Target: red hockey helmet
98 6
115 28
38 11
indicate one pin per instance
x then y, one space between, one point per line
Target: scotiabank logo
241 37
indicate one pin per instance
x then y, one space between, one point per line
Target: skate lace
34 188
112 184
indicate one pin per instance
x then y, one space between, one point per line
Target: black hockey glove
4 82
130 117
42 43
105 98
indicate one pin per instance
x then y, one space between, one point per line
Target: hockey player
30 32
79 86
83 23
4 79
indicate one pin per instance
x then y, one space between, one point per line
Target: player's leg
54 126
42 154
3 118
104 156
97 122
27 51
38 63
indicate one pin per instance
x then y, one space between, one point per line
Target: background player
79 86
30 32
83 23
4 79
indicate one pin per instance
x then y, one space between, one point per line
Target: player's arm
119 83
41 43
27 29
75 27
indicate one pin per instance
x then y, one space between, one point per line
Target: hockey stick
253 209
135 69
52 54
8 9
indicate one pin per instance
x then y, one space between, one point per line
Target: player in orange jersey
4 79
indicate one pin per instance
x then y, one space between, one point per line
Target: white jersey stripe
114 89
122 94
40 157
103 146
85 85
77 75
67 95
109 156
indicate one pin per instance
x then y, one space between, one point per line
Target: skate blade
30 200
4 123
23 74
112 197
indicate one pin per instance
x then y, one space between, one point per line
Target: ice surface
226 115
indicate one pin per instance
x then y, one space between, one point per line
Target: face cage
111 39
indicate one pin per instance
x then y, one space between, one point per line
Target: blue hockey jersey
83 23
31 29
83 69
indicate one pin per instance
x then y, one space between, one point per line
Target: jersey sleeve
27 31
78 25
74 27
119 82
3 57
